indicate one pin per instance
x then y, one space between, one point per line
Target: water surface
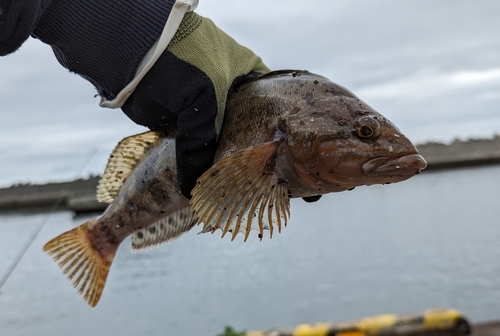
432 241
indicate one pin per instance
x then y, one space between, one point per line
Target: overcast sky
432 67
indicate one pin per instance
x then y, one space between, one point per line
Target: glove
17 21
186 90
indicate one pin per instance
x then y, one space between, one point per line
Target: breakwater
79 195
473 152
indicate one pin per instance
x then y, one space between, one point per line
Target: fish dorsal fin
121 163
241 193
165 230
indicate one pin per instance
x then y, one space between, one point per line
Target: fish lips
403 166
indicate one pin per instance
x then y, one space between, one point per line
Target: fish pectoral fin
121 163
165 230
241 193
86 267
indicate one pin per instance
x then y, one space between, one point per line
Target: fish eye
365 131
367 127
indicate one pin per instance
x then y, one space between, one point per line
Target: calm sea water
432 241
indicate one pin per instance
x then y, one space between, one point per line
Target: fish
287 134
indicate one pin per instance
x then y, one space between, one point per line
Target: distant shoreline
79 195
473 152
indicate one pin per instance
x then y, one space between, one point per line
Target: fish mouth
407 165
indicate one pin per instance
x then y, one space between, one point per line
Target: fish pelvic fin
165 230
122 162
86 267
241 193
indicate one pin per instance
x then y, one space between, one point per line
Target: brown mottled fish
286 134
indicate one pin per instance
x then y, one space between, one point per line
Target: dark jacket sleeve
17 21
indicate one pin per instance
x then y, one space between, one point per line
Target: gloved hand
187 88
17 22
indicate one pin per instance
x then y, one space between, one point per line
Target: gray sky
432 67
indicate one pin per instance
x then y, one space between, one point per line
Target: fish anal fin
86 267
165 230
241 193
121 163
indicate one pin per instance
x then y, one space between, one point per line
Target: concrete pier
486 329
472 152
79 195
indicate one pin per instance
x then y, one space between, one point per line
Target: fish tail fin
86 267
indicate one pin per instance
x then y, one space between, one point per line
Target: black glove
187 89
17 21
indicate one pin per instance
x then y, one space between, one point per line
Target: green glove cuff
200 43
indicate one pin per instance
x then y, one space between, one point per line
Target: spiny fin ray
121 163
165 230
241 193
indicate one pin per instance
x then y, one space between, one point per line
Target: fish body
317 123
286 134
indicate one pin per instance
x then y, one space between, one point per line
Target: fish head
336 142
